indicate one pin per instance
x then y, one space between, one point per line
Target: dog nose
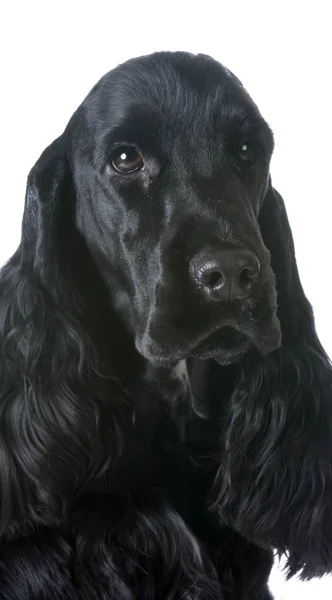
225 275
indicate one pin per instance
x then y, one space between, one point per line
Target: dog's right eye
127 160
247 152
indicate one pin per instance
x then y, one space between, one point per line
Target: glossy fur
154 444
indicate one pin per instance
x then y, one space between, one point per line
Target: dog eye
247 151
127 160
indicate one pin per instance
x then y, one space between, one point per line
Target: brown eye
247 151
127 160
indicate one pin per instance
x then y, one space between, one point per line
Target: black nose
225 275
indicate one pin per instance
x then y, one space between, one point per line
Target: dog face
171 163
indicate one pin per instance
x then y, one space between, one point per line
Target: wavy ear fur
275 481
54 430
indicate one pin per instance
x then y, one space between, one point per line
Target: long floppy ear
275 482
58 419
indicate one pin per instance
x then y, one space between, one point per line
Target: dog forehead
168 104
167 72
177 87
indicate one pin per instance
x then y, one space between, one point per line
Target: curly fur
53 390
155 444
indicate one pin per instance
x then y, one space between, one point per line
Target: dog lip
230 339
224 340
226 337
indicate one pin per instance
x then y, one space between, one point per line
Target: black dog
165 403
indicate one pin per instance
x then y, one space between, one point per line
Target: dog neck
163 390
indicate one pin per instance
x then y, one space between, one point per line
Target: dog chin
224 356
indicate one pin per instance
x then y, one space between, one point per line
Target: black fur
156 444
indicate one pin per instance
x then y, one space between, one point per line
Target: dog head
170 163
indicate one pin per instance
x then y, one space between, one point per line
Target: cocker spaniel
165 402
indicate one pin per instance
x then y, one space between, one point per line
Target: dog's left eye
247 151
127 160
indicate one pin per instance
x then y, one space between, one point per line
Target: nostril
246 278
248 273
251 269
212 279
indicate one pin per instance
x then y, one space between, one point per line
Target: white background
53 52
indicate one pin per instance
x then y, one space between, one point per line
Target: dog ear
47 194
295 318
274 485
57 421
